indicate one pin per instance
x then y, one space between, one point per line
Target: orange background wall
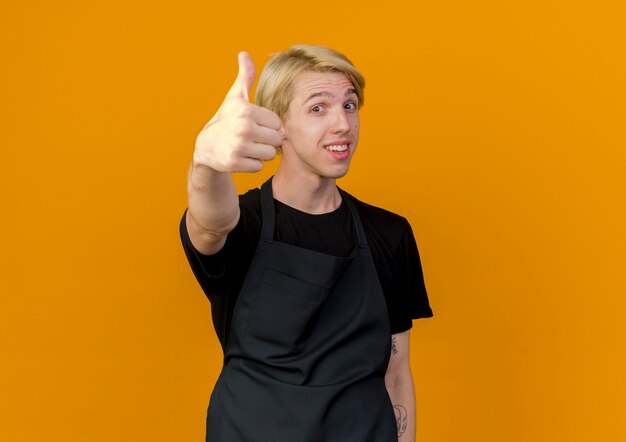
497 128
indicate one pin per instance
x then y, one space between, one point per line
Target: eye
350 106
317 109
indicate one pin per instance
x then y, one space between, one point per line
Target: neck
308 193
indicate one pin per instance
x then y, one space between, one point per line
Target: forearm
402 394
212 199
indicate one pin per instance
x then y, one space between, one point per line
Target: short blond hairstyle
274 90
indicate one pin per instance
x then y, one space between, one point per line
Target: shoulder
390 219
251 199
250 206
382 223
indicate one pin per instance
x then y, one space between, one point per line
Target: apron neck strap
356 219
269 216
267 210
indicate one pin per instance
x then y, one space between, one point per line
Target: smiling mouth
337 147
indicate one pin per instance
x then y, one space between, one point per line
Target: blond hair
274 90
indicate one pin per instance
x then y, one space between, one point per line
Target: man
312 291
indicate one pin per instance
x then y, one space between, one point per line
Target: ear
283 132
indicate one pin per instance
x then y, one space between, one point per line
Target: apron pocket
284 311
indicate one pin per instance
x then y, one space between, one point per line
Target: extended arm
399 382
238 138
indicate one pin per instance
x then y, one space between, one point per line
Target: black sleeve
409 286
220 273
205 267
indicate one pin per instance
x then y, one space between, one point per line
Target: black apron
308 348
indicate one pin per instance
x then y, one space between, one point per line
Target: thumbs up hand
240 136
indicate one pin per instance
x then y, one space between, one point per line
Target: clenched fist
241 135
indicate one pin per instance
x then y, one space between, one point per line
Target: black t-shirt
389 236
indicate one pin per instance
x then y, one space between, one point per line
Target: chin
336 174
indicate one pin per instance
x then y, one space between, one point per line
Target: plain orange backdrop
497 128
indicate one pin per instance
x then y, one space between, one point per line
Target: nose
341 122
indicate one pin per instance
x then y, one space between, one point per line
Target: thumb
245 78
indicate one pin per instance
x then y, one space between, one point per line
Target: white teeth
337 148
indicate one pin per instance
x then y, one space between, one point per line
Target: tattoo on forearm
402 418
394 349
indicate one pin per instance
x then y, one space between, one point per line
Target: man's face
321 126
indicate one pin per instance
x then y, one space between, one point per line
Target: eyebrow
328 94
